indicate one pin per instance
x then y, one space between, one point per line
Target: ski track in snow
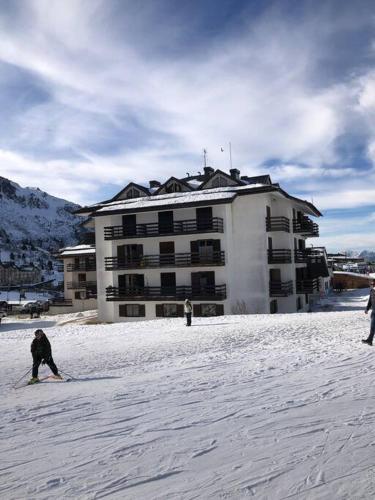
263 407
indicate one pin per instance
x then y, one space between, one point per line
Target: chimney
154 184
235 174
208 171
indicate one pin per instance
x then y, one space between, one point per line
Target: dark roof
224 174
258 179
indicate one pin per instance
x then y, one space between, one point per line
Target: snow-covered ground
264 407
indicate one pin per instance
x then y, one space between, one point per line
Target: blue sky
96 93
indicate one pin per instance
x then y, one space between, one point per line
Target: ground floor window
208 310
273 306
306 298
169 310
80 295
132 310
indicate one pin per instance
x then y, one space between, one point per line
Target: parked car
28 306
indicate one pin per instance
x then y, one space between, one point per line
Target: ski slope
263 407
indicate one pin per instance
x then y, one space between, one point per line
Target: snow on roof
221 193
77 250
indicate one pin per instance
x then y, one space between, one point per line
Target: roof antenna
188 174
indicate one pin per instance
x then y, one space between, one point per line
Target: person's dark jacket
41 348
371 300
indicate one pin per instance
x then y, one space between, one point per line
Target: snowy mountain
34 224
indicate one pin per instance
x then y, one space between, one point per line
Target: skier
371 305
188 308
41 353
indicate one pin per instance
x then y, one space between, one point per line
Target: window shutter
219 309
159 310
197 309
142 310
216 245
194 247
180 310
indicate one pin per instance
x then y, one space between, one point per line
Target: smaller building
80 287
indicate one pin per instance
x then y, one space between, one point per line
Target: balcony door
205 251
129 254
131 282
275 275
168 283
203 283
129 224
204 218
165 220
166 253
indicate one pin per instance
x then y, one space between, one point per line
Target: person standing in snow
371 305
42 353
188 309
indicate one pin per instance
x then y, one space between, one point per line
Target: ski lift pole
19 380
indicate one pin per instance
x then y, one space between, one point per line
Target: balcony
301 256
277 224
91 266
209 292
306 227
81 285
280 256
165 260
308 285
281 288
191 226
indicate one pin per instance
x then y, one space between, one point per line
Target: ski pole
24 375
67 374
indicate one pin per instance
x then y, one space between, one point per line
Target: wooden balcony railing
81 285
307 285
281 288
166 260
306 227
191 226
91 266
279 256
214 292
278 224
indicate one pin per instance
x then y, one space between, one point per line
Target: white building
80 289
231 244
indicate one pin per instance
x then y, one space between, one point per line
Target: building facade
230 244
80 287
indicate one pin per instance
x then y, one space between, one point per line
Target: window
173 187
208 309
273 306
219 181
133 193
306 298
299 303
169 310
132 310
80 295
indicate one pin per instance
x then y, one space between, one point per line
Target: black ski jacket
41 348
371 300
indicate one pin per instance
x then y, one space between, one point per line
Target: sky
97 93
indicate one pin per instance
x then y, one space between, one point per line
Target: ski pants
188 319
49 362
372 326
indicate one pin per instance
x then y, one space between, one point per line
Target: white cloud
258 89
